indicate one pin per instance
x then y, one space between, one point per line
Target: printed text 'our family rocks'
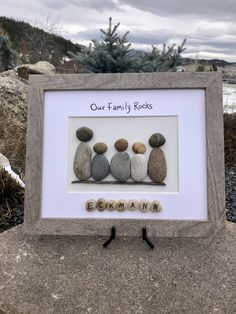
125 107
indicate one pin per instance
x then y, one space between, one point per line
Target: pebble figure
120 162
157 167
138 162
100 164
83 155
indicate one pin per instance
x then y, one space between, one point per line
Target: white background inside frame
178 114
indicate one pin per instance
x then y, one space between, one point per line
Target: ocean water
229 97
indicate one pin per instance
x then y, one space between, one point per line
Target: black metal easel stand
112 237
144 237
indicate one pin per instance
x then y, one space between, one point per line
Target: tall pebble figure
120 162
138 162
157 168
83 155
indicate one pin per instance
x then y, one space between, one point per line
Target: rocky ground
71 274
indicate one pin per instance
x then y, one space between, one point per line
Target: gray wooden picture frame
210 82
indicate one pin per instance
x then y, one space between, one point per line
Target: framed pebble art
126 150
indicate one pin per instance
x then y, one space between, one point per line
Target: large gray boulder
41 67
11 73
62 274
13 113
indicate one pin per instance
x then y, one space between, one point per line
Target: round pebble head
157 139
121 144
139 148
100 148
84 134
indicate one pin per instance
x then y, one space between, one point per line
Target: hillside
217 62
34 44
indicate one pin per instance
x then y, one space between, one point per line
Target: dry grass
11 201
230 139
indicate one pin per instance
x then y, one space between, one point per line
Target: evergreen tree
162 61
113 54
8 56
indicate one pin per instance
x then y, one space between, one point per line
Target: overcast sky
208 25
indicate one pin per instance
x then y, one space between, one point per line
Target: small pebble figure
138 162
120 162
157 167
83 155
100 164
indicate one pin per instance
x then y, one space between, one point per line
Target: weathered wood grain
211 82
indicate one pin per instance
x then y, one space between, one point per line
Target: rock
84 134
155 206
41 67
13 113
11 197
101 204
138 167
100 148
156 140
100 167
91 205
157 168
10 73
133 205
121 205
82 162
145 205
5 164
121 144
120 166
139 148
37 281
111 205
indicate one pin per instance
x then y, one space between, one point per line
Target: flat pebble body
101 204
100 167
82 162
157 168
91 205
156 206
120 166
145 205
133 205
138 167
111 205
121 205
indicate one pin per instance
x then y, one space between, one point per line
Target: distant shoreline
229 80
